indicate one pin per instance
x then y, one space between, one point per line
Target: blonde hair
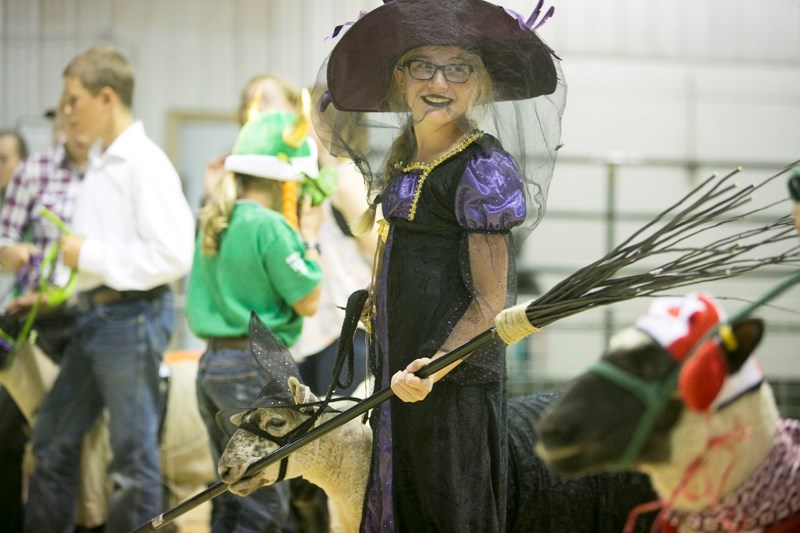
291 93
215 216
103 66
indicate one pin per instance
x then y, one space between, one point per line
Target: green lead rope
52 295
655 395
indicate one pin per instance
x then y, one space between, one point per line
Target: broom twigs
687 222
737 244
715 259
708 207
704 198
696 213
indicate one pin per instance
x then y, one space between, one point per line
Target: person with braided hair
468 99
254 253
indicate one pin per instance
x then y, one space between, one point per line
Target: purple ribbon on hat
338 29
531 21
324 101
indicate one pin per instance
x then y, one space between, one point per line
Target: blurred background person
132 236
250 258
346 261
48 179
260 93
13 150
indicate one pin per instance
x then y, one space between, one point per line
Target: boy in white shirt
133 234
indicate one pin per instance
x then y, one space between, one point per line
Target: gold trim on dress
428 168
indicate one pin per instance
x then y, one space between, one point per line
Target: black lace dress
447 269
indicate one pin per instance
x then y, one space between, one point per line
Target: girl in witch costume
248 257
472 100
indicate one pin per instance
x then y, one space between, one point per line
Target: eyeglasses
425 70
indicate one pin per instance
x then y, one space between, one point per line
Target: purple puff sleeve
490 195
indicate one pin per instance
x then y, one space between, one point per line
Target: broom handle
284 451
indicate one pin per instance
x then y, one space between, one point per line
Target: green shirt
260 266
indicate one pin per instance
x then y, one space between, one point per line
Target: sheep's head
274 418
262 430
593 425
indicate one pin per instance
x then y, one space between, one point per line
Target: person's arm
309 221
308 304
349 200
15 216
212 174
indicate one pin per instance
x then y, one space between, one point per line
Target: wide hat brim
271 167
359 70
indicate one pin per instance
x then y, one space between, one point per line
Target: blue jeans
230 378
317 369
112 361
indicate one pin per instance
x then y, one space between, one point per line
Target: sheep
339 461
335 462
717 452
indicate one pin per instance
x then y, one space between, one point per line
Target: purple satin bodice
490 194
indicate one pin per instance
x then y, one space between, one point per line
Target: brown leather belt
235 343
105 295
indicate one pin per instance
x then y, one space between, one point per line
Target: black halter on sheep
715 449
539 499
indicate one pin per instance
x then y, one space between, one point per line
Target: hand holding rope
50 295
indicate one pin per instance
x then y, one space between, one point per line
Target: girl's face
449 92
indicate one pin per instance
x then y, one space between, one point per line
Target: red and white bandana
677 323
771 495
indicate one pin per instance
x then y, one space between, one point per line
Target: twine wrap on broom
714 204
513 325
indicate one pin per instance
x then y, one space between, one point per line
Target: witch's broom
712 205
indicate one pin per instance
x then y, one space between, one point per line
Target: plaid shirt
46 179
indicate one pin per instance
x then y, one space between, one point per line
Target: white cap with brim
276 168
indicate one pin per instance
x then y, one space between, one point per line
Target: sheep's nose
228 473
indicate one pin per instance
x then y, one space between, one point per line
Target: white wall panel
203 50
707 81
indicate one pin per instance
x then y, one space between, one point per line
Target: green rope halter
655 394
52 295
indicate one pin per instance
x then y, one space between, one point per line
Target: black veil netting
528 128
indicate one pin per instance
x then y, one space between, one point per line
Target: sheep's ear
302 393
747 334
236 419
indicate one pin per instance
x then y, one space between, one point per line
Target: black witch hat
360 66
277 364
